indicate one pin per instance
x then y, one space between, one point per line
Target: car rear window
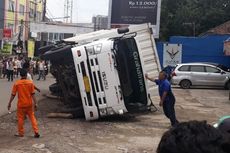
184 68
197 68
212 70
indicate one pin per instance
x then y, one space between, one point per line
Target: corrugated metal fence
199 49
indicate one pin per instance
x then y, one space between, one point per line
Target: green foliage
180 17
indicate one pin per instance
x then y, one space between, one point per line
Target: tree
180 17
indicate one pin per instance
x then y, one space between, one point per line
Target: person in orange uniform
25 105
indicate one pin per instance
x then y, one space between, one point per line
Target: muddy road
135 133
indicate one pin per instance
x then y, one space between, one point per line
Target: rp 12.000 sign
134 11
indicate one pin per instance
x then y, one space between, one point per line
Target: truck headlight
98 48
110 111
103 111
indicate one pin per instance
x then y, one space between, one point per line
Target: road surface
136 133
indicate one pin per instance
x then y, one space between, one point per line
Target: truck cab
107 71
110 77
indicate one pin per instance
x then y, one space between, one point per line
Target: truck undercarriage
66 86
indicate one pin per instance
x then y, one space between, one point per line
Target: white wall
77 28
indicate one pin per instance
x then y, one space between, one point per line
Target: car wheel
185 84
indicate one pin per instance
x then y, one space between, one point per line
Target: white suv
201 74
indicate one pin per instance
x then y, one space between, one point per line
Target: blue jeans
41 75
169 111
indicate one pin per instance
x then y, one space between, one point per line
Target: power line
48 11
48 23
13 11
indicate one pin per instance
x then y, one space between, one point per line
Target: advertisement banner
7 33
172 54
7 49
31 47
126 12
227 48
134 11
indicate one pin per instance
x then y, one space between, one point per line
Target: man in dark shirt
167 99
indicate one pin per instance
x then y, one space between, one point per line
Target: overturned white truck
103 73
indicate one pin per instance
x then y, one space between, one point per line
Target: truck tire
55 89
185 84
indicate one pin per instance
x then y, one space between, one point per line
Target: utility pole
68 11
35 10
44 11
71 12
20 42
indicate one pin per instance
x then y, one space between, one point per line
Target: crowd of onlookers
11 66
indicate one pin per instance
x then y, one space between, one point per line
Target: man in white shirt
29 77
10 69
41 67
19 66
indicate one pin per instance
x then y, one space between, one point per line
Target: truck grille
97 80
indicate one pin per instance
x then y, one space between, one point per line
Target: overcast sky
83 10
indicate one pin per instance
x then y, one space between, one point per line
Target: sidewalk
5 92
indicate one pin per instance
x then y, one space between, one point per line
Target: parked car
201 74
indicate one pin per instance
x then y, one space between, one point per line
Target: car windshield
130 73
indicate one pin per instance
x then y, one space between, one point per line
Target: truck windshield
130 73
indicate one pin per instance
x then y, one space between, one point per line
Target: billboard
126 12
172 54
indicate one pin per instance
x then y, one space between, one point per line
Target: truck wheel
185 84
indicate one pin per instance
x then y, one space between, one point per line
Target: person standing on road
10 70
15 65
5 69
167 99
1 68
19 66
41 67
25 105
26 66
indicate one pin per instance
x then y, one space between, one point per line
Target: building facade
16 16
223 29
100 22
